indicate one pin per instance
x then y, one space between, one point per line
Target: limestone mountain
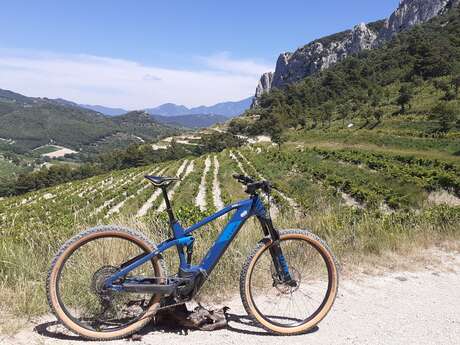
327 51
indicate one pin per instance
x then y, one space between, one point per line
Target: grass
8 168
33 226
349 232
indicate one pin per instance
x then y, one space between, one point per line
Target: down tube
224 240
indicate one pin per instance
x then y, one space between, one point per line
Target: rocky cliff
322 53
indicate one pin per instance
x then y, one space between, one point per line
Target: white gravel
417 307
200 199
149 203
216 192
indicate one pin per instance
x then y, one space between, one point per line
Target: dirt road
417 307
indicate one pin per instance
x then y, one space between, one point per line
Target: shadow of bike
241 324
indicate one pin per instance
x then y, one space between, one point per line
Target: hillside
364 199
191 121
414 79
364 153
227 109
322 53
32 122
105 110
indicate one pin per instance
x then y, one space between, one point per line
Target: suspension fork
279 261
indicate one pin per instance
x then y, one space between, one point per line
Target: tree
378 114
444 86
365 114
344 111
314 118
405 96
327 112
446 114
387 94
277 136
456 83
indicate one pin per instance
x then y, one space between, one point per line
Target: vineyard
360 201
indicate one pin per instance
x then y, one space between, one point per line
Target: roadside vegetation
363 203
365 154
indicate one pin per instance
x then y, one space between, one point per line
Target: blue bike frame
183 238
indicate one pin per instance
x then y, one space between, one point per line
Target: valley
359 132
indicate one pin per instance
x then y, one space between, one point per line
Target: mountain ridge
324 52
32 122
227 109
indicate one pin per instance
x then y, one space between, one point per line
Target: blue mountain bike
108 282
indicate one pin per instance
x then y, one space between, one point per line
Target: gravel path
117 207
149 203
417 307
216 192
200 199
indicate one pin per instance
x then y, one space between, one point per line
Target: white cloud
115 82
225 63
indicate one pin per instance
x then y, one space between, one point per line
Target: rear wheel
75 284
299 305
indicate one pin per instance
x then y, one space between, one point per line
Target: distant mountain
140 124
169 109
191 121
12 97
227 109
32 122
104 110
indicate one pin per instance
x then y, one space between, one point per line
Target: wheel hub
287 287
99 279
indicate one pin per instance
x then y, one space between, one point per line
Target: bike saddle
160 181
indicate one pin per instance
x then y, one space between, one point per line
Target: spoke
81 281
288 305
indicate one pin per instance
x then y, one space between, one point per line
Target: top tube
225 210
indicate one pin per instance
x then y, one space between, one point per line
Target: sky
139 54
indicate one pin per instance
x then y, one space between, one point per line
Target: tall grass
349 232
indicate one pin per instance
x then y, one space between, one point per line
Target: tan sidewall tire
245 288
68 248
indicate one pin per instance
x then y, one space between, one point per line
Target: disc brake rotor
283 287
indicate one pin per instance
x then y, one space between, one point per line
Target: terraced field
304 178
358 200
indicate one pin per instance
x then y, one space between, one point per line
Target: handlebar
252 185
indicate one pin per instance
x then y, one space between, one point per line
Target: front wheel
294 306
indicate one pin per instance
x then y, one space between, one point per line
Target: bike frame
244 209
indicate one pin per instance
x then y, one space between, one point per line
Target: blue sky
142 53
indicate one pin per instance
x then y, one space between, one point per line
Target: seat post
169 210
